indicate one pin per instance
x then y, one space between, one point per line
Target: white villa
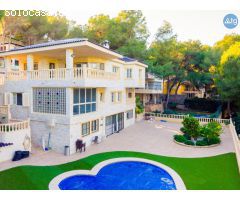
66 90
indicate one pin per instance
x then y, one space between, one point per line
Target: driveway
146 136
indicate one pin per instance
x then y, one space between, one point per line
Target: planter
194 146
139 117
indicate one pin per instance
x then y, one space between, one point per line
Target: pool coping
53 185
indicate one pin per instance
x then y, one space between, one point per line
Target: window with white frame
129 73
49 100
35 66
90 127
16 63
119 96
115 69
84 100
129 114
85 128
18 99
101 97
94 126
113 96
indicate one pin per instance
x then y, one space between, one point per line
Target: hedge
203 104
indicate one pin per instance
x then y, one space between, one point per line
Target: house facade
70 89
151 95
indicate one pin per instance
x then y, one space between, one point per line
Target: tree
57 27
165 56
228 78
127 33
191 127
211 130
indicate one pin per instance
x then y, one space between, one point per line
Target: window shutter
25 99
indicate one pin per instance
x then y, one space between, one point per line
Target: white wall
17 138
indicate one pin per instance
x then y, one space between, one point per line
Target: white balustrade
14 126
181 117
61 74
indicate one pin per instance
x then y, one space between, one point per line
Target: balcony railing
14 125
62 74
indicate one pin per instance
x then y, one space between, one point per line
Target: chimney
106 44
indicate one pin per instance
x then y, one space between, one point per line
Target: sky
206 26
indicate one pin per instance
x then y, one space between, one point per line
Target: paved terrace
146 136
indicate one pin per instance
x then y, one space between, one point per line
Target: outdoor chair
147 117
95 140
80 146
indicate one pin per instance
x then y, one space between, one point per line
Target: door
114 123
109 126
120 121
51 67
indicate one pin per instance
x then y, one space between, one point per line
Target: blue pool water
127 175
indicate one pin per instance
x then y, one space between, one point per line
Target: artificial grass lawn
210 173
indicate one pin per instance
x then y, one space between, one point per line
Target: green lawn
216 173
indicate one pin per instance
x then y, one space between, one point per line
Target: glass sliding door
114 123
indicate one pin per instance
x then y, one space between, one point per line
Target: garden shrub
180 138
169 111
236 121
189 142
139 107
188 137
172 105
215 140
191 126
211 130
183 129
203 104
201 143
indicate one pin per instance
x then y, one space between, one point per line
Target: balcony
151 88
83 75
61 74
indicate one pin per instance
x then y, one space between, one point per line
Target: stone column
30 62
69 63
7 64
69 102
69 58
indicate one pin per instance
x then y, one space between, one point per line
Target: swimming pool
123 175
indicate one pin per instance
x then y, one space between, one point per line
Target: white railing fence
14 126
181 117
61 74
236 142
16 75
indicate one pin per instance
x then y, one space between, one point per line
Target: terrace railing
236 142
14 126
181 117
16 75
62 74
